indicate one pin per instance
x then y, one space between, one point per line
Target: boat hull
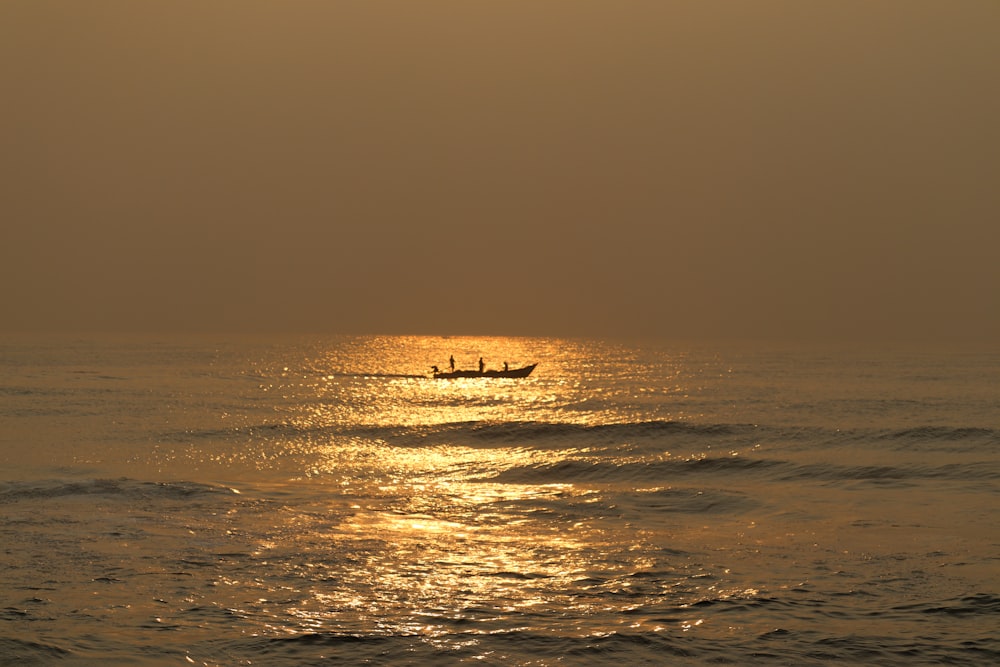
512 373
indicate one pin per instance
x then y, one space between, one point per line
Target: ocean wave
697 501
485 432
793 637
26 652
979 470
611 471
941 433
662 434
482 645
972 605
520 430
475 434
13 492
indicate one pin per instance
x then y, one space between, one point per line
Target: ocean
304 501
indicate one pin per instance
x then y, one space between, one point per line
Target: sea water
294 502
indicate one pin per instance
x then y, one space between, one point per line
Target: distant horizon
958 344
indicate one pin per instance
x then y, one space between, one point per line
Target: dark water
290 502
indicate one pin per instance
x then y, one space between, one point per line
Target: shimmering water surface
291 502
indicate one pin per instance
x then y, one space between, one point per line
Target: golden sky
824 169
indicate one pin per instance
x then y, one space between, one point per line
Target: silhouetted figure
452 361
435 369
505 366
482 366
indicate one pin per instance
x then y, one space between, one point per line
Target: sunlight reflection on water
382 381
430 536
424 528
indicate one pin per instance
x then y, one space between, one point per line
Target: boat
511 373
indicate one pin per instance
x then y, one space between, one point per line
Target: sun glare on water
433 521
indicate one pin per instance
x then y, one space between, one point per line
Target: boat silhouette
510 373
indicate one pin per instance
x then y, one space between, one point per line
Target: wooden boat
511 373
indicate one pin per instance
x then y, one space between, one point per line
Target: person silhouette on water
452 361
481 365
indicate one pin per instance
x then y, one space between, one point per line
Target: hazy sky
743 168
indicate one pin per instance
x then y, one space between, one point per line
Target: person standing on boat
505 369
482 366
452 360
